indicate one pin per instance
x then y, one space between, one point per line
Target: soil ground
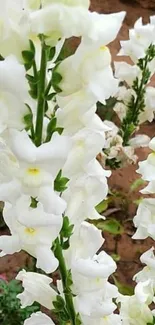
129 250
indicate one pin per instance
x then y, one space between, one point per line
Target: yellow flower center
30 231
103 48
33 171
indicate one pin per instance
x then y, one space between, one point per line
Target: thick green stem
66 288
41 97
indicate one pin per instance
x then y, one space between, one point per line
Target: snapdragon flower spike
32 230
34 205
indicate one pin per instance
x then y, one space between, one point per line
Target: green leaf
67 228
28 119
31 79
28 56
59 304
69 280
52 125
51 53
50 96
78 320
56 79
60 182
102 206
111 225
33 92
32 47
34 202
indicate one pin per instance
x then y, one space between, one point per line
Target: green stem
125 128
41 97
64 276
142 84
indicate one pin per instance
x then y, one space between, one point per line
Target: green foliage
105 112
28 119
113 163
112 226
102 206
51 128
66 233
10 311
56 79
60 310
62 314
136 104
29 56
60 182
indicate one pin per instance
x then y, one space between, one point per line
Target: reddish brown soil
128 249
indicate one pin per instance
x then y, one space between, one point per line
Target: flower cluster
135 100
50 179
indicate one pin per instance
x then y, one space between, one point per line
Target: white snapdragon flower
87 144
127 72
15 28
87 71
103 28
140 140
90 272
82 257
38 319
144 220
72 18
148 272
13 94
76 112
139 40
38 167
92 182
32 230
58 20
36 288
144 291
106 320
96 304
134 312
149 111
72 109
147 167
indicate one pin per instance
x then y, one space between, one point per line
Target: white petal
46 259
38 319
10 244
